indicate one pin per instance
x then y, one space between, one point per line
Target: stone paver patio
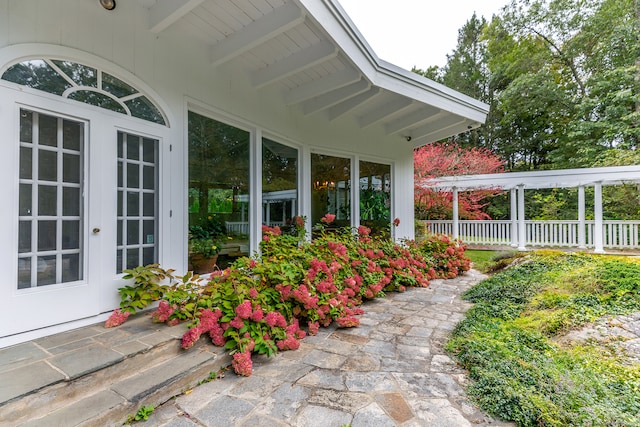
390 371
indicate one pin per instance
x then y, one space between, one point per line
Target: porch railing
617 234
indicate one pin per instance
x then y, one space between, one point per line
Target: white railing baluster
617 234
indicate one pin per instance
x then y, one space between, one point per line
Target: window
51 205
375 196
137 242
84 84
219 177
331 188
279 184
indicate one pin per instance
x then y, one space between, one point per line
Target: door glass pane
133 218
279 185
48 130
24 236
46 269
331 188
70 234
71 168
47 200
47 236
50 203
71 135
47 165
375 196
26 163
26 126
219 181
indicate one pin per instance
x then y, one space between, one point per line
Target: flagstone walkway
390 371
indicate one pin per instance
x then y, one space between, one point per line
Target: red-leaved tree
447 159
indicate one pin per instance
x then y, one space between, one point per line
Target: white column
522 231
582 238
255 194
598 230
456 226
514 217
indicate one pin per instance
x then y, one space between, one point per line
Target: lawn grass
520 368
487 261
481 259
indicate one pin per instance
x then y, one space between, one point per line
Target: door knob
96 230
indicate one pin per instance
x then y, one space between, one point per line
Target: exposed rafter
383 111
294 63
344 107
257 32
318 87
410 120
438 130
166 12
334 97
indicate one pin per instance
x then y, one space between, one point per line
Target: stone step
110 405
95 376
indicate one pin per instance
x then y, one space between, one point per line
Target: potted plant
205 243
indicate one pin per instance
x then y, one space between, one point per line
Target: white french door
81 204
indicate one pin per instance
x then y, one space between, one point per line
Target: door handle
96 230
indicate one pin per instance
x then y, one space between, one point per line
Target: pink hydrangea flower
242 364
191 337
257 314
328 218
244 310
117 318
364 231
313 328
163 312
217 336
253 292
237 322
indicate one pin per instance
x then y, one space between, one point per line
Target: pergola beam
257 32
166 12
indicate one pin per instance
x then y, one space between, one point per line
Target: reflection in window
84 84
375 196
219 177
279 184
330 188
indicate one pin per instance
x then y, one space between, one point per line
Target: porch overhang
313 56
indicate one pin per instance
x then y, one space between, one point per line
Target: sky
419 33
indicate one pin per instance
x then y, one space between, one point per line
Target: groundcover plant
269 303
519 341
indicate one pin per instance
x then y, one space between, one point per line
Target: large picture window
331 188
219 169
375 196
279 184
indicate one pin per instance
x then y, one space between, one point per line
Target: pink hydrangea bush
269 304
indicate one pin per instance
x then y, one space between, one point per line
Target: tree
444 159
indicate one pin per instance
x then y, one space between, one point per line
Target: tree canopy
562 78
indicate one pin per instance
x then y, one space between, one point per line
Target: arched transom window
85 84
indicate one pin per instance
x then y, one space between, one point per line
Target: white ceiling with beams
312 53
